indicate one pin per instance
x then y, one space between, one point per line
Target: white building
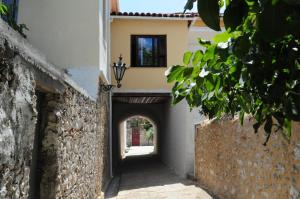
73 34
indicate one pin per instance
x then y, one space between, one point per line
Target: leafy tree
253 67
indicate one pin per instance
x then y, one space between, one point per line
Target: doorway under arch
138 137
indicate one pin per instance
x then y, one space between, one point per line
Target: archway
138 137
121 112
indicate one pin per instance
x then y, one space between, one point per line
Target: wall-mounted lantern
119 69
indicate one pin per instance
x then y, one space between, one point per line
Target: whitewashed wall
70 34
177 145
199 32
178 141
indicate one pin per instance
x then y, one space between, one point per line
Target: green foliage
8 13
251 68
150 134
147 125
3 8
209 12
141 123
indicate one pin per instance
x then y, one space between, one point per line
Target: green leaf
187 57
197 57
243 104
287 127
232 69
209 13
187 72
189 5
174 73
270 19
3 8
218 85
196 72
242 116
209 83
204 42
210 95
209 53
221 3
177 99
234 14
242 46
251 2
222 37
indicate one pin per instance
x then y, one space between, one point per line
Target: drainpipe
110 135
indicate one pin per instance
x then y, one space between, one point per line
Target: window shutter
133 57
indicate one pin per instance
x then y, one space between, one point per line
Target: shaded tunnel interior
151 106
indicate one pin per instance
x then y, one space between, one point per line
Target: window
148 51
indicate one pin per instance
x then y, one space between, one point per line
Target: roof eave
154 18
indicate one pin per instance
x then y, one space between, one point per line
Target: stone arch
123 134
121 111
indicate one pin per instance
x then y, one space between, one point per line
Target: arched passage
138 137
123 110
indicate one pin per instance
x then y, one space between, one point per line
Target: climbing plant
8 13
252 67
3 8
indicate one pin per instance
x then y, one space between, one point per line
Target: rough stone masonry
71 150
232 162
17 125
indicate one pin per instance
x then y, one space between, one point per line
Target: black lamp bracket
119 69
106 88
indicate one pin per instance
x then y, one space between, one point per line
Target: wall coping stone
224 118
32 55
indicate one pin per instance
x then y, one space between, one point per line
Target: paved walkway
144 178
139 150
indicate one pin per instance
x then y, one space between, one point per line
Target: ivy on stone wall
253 67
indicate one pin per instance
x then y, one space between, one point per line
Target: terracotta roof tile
142 14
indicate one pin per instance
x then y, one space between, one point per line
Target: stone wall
54 146
232 162
72 147
103 123
17 125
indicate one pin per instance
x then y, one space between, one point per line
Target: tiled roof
162 15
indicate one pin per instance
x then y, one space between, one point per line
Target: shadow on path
148 178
